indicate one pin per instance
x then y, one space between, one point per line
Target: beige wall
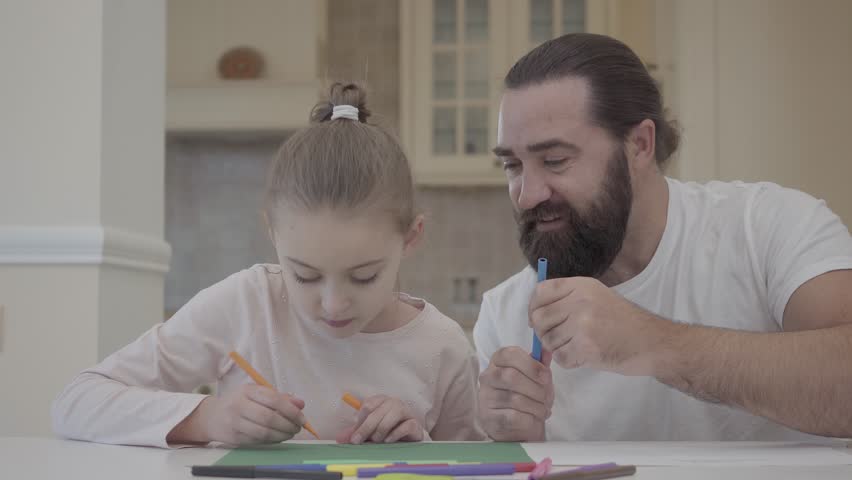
288 34
363 45
284 31
82 255
764 93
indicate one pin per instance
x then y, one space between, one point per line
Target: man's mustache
540 212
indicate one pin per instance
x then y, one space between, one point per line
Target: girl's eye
365 281
304 279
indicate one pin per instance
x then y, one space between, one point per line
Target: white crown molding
83 245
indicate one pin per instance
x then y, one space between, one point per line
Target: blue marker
542 276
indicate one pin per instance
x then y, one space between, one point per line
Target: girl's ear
414 235
268 227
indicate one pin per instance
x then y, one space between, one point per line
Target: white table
25 458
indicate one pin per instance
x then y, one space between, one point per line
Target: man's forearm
799 379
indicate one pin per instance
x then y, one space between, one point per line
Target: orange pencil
352 401
258 379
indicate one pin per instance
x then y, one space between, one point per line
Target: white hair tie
344 111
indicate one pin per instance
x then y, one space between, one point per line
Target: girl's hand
383 419
252 414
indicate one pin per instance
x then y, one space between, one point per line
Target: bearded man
673 311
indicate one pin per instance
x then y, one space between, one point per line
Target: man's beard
587 243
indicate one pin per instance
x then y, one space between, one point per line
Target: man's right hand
516 396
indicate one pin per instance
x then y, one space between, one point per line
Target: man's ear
641 146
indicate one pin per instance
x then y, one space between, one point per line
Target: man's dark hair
622 92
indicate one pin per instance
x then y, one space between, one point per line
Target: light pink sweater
138 394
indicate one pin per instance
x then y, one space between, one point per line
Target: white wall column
82 255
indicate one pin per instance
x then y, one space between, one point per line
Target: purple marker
451 470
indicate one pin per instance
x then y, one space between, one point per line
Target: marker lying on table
593 472
411 476
542 276
523 467
461 470
351 470
348 469
588 468
541 469
258 378
261 472
307 467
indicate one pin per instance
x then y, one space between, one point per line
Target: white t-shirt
138 394
731 256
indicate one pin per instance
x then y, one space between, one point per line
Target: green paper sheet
292 453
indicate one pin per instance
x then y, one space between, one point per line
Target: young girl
325 321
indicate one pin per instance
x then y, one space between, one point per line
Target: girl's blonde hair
342 163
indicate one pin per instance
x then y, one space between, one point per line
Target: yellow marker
411 476
258 379
352 401
352 470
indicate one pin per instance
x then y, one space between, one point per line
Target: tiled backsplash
470 246
214 187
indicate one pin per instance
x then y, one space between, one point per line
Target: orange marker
352 401
258 379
